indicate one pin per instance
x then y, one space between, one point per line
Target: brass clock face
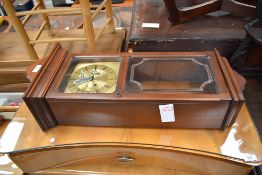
98 77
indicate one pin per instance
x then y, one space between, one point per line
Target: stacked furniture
38 44
223 29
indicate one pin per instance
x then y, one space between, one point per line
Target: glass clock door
170 74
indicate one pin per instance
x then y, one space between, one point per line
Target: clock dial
99 77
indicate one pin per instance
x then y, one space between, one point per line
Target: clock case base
122 109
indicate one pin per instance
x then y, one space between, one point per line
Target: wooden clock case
131 107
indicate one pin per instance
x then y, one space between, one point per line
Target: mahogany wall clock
127 90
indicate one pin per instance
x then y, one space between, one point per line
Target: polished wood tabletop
239 143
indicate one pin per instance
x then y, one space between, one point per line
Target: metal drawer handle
125 159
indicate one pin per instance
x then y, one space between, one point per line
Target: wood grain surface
74 150
237 143
126 108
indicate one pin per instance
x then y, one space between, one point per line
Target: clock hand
82 76
94 71
84 80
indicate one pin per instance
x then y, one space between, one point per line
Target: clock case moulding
211 98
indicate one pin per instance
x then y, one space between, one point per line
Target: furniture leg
109 15
88 25
44 16
19 28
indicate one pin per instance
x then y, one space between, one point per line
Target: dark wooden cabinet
126 89
223 30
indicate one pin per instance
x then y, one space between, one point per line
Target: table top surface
227 23
239 143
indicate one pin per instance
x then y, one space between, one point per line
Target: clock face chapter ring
92 79
99 77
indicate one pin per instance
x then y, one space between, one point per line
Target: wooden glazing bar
27 17
47 11
57 40
109 14
99 8
19 28
102 29
40 30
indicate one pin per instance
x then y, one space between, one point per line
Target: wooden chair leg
44 16
88 24
109 14
19 28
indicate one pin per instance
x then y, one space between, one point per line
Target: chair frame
84 10
178 15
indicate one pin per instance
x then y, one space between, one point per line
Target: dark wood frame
123 109
178 15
